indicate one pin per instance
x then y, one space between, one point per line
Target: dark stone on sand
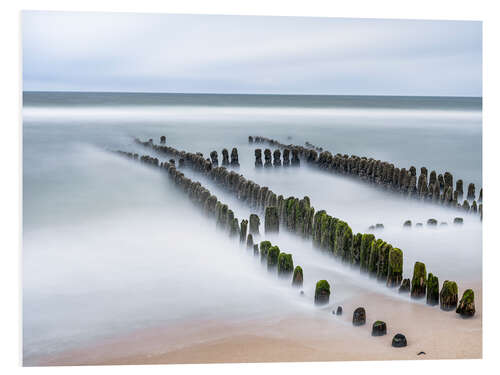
379 328
399 341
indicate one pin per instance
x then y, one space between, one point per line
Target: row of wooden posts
373 256
431 187
276 260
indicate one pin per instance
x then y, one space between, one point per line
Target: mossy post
383 261
243 230
419 281
432 290
356 250
272 221
272 257
322 293
407 224
258 157
448 298
405 286
359 316
234 229
466 307
374 257
471 192
285 265
298 277
234 157
366 241
395 268
264 249
255 249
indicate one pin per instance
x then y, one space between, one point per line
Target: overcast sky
242 54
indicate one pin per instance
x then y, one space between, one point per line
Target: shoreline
313 336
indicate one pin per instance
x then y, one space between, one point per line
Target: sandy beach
299 338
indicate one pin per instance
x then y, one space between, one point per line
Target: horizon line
243 93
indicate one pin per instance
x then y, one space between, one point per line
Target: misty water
109 246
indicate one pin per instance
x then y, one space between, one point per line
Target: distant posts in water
448 298
285 265
480 199
359 317
250 139
432 222
395 267
286 157
234 157
298 277
295 158
225 157
267 158
258 157
471 192
272 222
215 158
466 307
254 224
458 221
163 139
459 189
322 293
418 282
277 158
432 290
407 224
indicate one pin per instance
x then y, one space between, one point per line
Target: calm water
109 247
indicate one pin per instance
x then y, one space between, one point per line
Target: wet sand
313 336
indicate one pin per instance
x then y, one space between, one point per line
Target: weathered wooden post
258 157
298 277
215 158
471 192
234 157
295 157
243 230
254 224
225 157
460 188
250 139
272 221
359 317
418 282
466 307
322 293
448 298
264 249
286 157
272 257
432 290
267 158
163 139
395 268
285 265
277 158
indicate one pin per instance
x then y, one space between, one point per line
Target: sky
82 51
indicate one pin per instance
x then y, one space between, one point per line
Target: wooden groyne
433 187
277 261
380 260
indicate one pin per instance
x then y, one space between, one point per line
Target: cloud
196 53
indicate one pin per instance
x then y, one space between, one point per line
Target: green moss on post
285 265
383 261
432 290
366 242
298 277
374 254
318 217
405 286
466 307
264 249
322 293
419 281
407 224
272 257
395 268
448 298
432 222
272 223
356 250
